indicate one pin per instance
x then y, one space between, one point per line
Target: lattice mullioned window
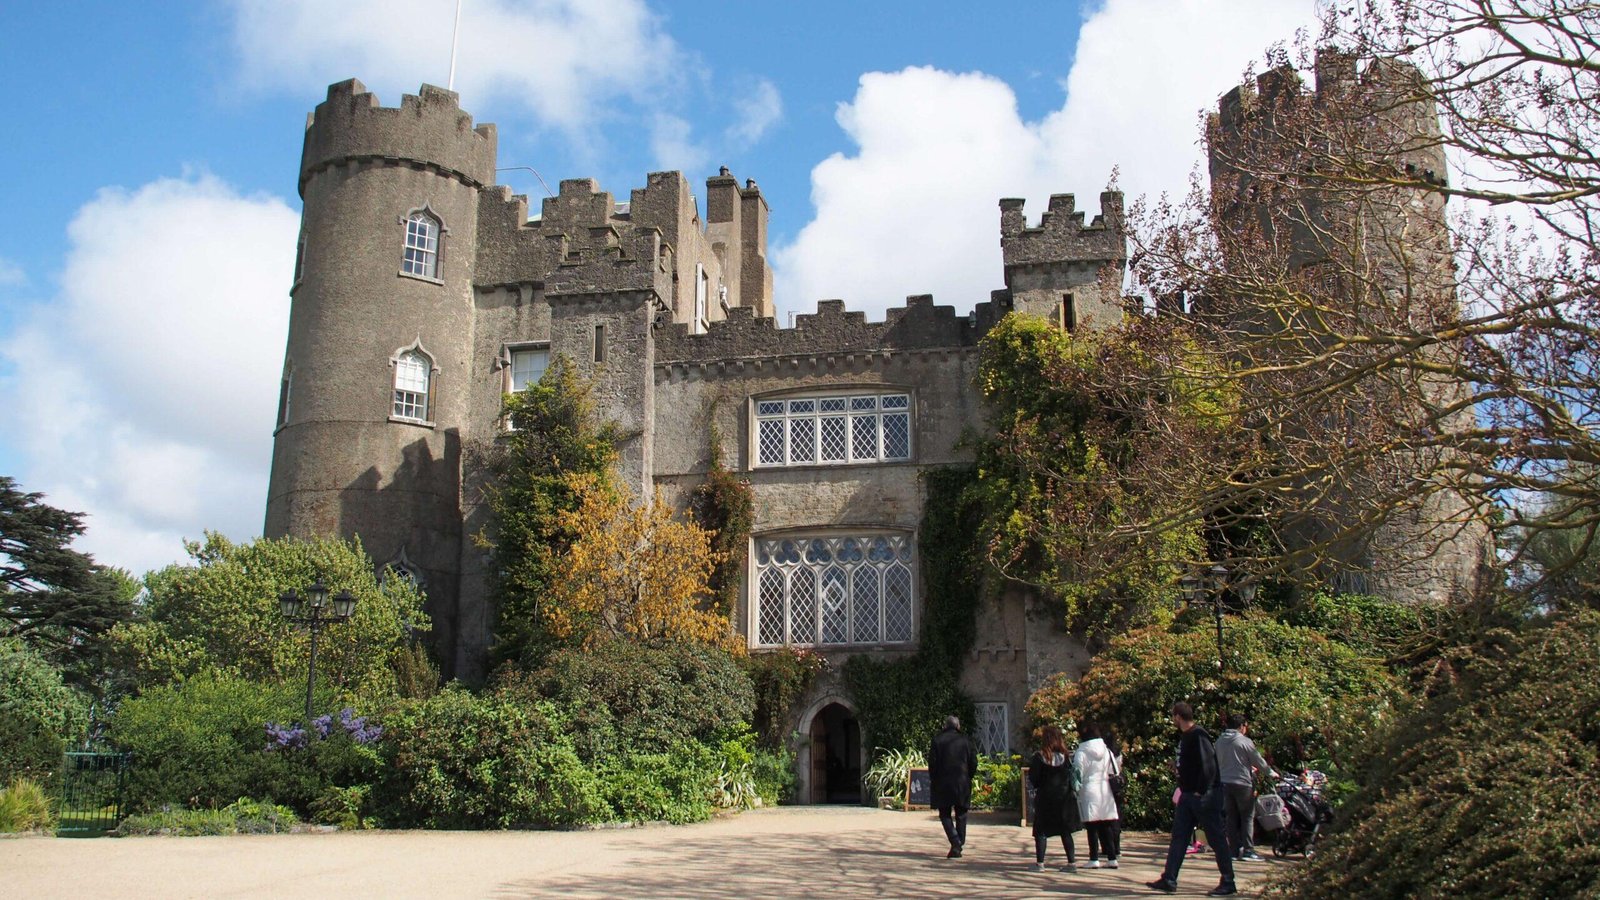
993 728
864 428
837 589
422 246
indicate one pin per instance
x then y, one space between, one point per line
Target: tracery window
834 429
422 246
413 376
833 589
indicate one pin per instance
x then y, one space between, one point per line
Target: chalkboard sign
919 789
1028 795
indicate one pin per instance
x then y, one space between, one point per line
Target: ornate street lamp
1210 586
315 611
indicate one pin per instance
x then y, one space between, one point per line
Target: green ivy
901 702
724 505
780 678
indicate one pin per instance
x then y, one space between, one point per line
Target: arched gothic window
413 385
422 245
813 590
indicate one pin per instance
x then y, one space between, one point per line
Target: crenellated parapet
1381 113
428 130
832 329
1061 235
1063 269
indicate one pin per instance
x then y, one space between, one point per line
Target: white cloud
149 383
915 209
11 274
757 111
673 146
559 58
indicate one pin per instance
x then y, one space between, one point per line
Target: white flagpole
455 36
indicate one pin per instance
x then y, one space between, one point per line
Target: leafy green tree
1310 699
1063 475
221 614
55 598
38 714
538 472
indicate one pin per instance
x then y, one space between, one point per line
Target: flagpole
455 36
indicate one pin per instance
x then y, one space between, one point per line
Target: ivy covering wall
902 702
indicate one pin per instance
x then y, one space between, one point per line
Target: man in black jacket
1199 803
952 761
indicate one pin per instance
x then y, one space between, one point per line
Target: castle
423 292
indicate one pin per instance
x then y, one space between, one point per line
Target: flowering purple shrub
285 737
291 737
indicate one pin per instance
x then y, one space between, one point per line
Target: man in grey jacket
1238 761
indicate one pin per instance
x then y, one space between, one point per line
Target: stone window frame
285 392
993 737
299 260
503 363
781 577
428 395
851 410
402 567
424 211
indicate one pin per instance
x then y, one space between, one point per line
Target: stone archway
831 758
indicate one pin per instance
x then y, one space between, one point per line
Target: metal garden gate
91 793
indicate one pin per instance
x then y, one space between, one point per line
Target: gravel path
788 852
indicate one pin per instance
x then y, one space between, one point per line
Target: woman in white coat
1096 806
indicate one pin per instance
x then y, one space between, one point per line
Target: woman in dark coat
1055 805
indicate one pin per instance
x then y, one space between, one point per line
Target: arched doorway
835 756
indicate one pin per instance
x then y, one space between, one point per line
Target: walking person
1055 805
952 761
1199 803
1238 763
1096 805
1118 779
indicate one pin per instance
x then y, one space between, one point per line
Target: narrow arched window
413 373
422 246
284 388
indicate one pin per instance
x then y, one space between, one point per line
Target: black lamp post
1210 585
315 611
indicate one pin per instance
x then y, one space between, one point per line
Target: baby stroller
1306 812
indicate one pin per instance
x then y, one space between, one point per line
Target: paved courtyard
789 852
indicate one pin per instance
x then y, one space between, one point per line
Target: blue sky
153 157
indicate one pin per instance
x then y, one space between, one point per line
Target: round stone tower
378 367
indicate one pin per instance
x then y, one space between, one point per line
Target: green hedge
622 698
1485 790
459 760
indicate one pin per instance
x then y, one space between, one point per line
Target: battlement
427 129
1379 112
1061 235
831 330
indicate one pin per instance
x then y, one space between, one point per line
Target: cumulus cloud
560 58
913 210
149 382
757 111
673 145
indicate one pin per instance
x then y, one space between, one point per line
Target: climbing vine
901 702
724 505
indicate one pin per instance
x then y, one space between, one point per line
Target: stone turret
1061 268
349 458
1376 251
